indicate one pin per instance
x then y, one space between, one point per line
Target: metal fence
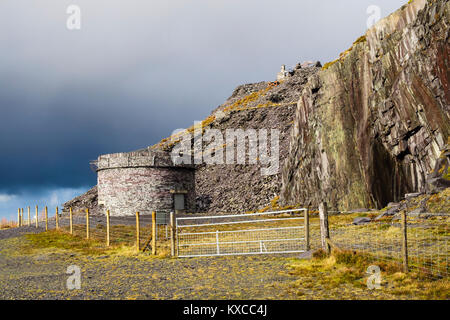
243 234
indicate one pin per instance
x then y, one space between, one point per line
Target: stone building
143 181
283 74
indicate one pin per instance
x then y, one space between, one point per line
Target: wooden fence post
46 219
107 229
153 233
18 217
138 233
37 217
324 229
57 218
87 224
71 220
29 217
172 234
405 242
307 241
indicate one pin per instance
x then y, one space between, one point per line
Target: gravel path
42 275
17 232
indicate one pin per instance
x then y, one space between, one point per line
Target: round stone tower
144 181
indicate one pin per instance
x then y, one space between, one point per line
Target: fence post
18 217
405 241
324 230
172 234
138 233
107 228
307 241
37 217
217 242
57 219
71 220
29 217
87 224
153 233
21 218
46 219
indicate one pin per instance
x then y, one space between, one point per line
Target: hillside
264 105
238 187
359 132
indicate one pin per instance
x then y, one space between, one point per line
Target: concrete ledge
141 158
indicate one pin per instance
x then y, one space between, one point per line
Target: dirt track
43 276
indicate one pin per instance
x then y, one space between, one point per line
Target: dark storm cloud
139 69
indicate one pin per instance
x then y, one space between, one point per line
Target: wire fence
105 230
419 244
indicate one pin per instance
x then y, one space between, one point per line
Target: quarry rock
361 221
371 125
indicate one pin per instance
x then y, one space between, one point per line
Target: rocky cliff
234 187
372 125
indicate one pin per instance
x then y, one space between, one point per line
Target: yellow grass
123 241
349 268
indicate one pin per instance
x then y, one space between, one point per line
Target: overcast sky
135 71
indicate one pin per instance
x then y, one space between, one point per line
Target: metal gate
244 234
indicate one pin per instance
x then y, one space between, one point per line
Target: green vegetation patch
60 240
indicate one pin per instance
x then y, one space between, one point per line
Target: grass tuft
347 269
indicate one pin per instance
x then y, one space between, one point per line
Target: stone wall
142 181
139 158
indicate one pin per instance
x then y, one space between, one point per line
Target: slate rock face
370 126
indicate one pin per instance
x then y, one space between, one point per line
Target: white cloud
6 197
54 199
51 198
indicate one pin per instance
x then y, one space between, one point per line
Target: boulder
359 210
412 195
390 212
361 220
417 212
